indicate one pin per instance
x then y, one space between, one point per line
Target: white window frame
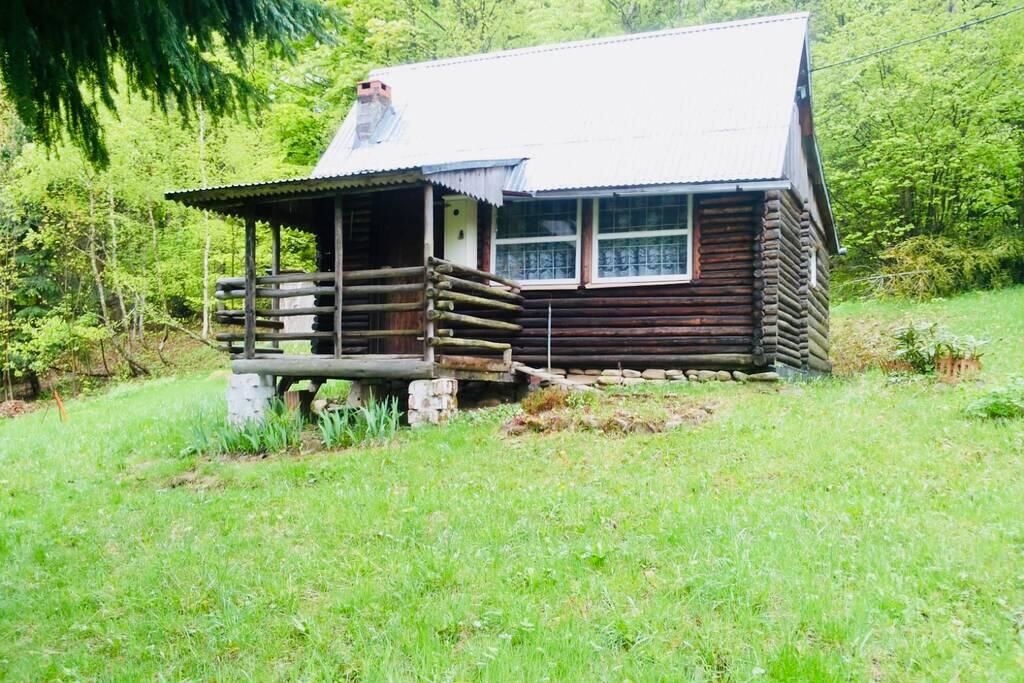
541 284
813 266
642 279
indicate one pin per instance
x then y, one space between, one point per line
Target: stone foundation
249 397
610 378
432 401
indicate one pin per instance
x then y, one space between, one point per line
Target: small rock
557 371
706 375
740 376
724 376
656 381
691 373
592 371
674 373
609 380
586 380
577 371
318 406
654 374
632 381
631 373
763 377
611 373
679 378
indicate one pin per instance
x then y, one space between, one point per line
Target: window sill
639 282
526 285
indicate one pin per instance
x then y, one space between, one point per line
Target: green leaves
171 52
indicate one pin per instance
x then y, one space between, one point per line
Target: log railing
451 286
485 301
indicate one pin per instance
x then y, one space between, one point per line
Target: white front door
460 230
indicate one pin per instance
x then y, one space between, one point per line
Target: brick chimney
373 99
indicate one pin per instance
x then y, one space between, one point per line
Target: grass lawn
836 530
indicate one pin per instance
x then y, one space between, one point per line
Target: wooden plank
428 254
305 336
339 267
275 261
483 363
468 343
250 286
337 368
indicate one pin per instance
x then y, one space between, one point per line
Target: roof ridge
607 40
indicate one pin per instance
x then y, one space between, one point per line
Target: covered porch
386 303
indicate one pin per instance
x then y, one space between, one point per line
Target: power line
915 41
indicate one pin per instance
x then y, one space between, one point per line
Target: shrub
544 400
376 422
915 347
924 267
280 430
1003 402
920 347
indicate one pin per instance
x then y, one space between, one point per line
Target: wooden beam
428 254
313 366
339 267
275 261
472 300
474 320
449 268
250 286
469 343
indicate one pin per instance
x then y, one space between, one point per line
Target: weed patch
1004 402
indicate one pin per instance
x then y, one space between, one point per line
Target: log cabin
653 200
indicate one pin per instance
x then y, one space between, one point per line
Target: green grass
836 530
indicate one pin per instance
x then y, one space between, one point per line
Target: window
538 241
643 238
813 266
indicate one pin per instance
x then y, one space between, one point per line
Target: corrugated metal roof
708 103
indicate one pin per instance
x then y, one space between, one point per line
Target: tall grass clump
376 422
211 434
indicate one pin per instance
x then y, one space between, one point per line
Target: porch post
338 269
250 285
428 252
275 262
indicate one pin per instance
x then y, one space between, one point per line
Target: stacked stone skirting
608 378
249 397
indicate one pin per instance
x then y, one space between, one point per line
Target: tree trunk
94 260
206 226
118 293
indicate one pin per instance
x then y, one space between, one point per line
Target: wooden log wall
707 323
794 313
356 216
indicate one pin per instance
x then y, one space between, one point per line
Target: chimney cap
373 87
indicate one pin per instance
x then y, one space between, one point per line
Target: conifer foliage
59 59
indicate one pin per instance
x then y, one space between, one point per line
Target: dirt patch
15 408
612 415
195 481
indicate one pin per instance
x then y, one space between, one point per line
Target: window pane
628 214
537 261
642 256
547 218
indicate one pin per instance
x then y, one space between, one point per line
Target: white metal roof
703 104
